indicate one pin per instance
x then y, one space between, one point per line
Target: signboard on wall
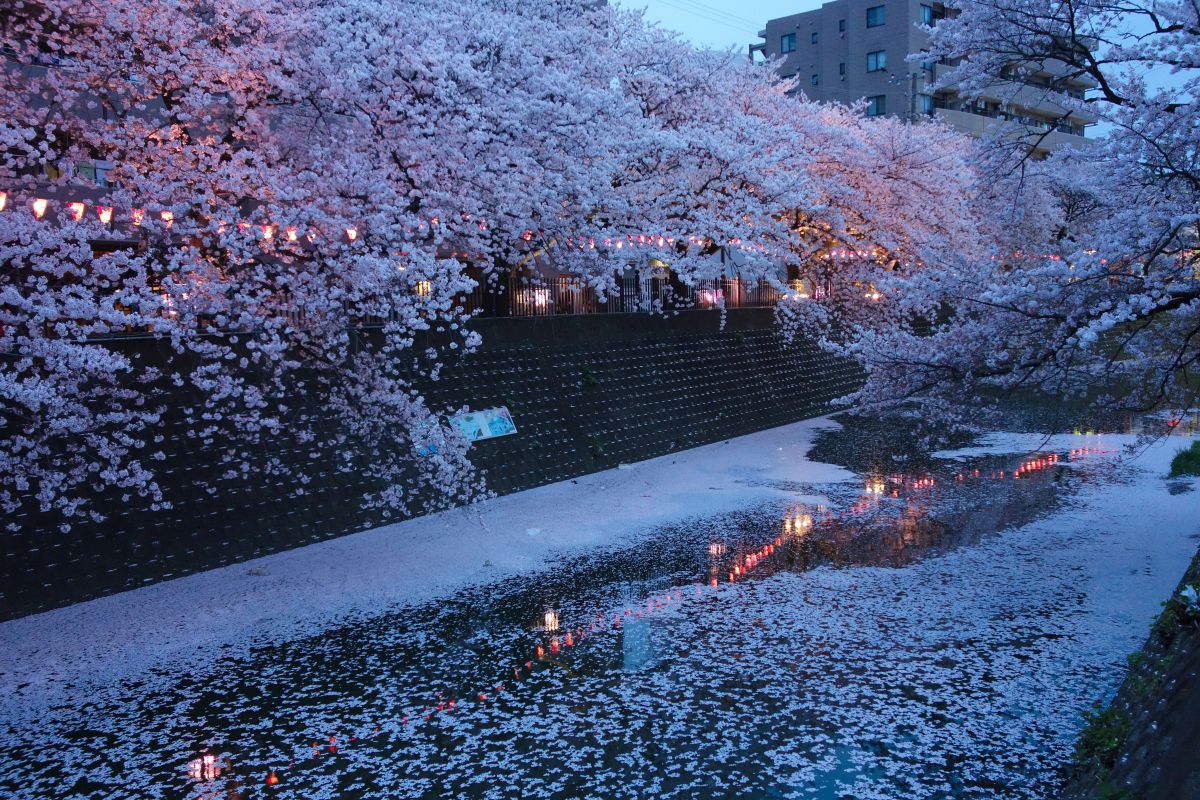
486 424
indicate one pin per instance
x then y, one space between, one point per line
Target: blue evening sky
719 24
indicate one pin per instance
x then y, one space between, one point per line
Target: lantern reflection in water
550 620
205 768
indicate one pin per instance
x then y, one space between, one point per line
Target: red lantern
76 210
104 213
272 779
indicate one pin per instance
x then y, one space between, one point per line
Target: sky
719 24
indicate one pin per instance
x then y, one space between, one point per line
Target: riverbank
1146 744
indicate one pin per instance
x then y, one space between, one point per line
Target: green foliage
1102 737
1109 792
1167 624
1186 462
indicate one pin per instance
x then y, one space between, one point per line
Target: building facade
849 50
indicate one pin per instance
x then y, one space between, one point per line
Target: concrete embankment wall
586 393
1146 744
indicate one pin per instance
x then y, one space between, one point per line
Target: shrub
1187 462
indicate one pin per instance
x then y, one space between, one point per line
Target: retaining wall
586 393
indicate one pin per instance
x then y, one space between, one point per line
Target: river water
933 628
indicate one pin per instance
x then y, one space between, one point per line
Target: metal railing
538 297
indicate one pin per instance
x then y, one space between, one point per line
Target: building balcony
1043 136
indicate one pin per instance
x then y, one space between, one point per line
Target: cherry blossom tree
1092 291
297 197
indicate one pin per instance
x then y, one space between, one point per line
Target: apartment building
848 50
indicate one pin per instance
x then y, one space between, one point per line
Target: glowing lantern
713 582
272 779
3 200
291 234
352 233
39 207
104 213
554 645
541 652
137 215
551 620
268 231
168 217
76 211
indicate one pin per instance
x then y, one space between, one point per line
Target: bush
1102 737
1187 462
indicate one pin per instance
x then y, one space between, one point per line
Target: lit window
876 16
876 105
876 60
787 43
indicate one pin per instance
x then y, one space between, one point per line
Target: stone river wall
1146 744
586 393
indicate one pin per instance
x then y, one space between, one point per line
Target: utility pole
912 97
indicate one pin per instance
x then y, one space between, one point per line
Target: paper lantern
272 779
76 210
3 200
352 233
39 207
168 217
104 213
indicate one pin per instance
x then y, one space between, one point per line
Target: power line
739 27
705 7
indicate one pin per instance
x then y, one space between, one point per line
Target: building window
787 43
925 103
841 26
814 37
927 15
813 80
876 16
842 69
876 60
876 105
